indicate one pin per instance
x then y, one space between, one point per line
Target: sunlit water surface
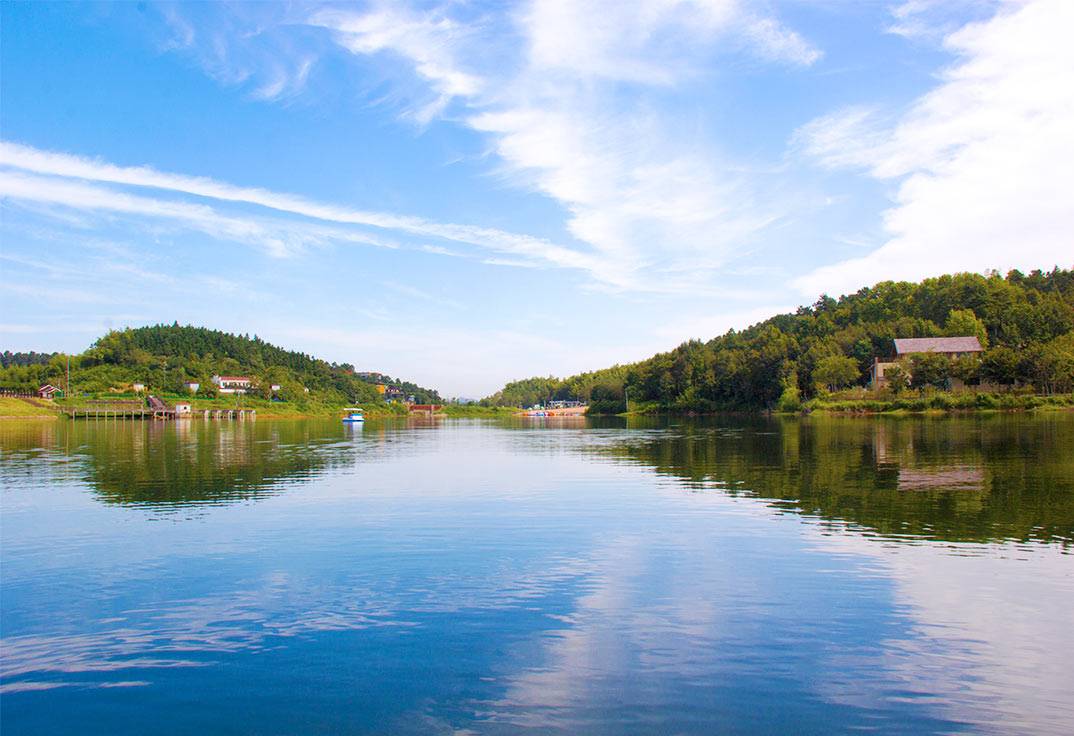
728 576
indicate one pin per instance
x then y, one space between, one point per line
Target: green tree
1000 365
963 322
966 368
607 399
929 369
1053 367
897 378
836 371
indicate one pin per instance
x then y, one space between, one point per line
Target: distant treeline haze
1025 322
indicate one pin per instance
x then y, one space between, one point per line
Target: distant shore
12 408
848 404
936 403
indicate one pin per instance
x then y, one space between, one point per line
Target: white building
232 384
137 387
192 386
182 409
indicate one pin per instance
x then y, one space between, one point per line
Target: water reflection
806 576
189 463
972 479
953 479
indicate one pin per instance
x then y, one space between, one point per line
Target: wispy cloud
983 158
932 20
413 292
251 45
279 237
661 206
430 41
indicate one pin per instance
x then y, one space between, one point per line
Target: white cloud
279 239
428 41
983 159
650 42
931 20
282 237
242 44
661 207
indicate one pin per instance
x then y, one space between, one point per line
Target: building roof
233 378
48 387
906 345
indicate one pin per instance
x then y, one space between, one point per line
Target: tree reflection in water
959 479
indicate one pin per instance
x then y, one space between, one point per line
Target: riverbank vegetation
799 360
476 411
880 402
167 358
12 407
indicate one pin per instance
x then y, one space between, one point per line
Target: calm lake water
807 576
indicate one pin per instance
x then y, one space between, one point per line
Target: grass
20 408
475 410
940 401
265 408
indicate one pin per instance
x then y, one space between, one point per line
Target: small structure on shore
182 409
578 410
951 347
48 391
192 386
425 409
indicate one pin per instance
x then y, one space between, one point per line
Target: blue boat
355 415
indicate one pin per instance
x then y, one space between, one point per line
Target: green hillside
164 357
1026 322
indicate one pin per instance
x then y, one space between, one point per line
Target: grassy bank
287 409
465 411
939 401
265 408
867 402
12 408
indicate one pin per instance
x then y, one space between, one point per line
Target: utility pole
68 375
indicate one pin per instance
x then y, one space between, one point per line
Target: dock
156 409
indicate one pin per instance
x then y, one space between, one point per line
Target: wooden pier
156 410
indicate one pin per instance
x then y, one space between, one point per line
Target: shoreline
34 411
936 405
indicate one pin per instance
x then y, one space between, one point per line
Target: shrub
790 399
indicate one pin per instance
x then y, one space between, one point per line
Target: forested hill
164 357
1025 321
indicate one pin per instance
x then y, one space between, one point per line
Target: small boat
355 415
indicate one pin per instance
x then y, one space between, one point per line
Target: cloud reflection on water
628 597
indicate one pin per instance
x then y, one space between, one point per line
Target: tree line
1025 322
8 358
166 357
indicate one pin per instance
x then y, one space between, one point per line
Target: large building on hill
952 347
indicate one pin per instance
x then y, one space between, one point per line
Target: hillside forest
165 357
1024 321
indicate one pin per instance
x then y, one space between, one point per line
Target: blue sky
464 193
